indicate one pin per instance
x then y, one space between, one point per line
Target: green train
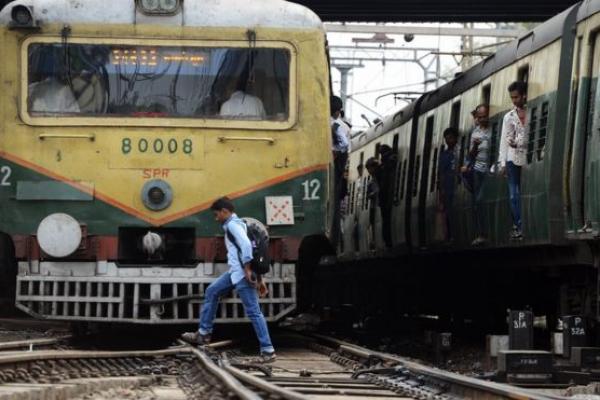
551 268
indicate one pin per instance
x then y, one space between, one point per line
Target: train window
463 149
437 176
434 169
397 182
350 208
403 184
523 73
159 81
377 148
395 143
367 201
494 143
455 115
365 188
541 144
415 188
533 121
486 94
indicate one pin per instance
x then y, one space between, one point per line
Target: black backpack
261 262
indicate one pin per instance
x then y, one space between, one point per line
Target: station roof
436 10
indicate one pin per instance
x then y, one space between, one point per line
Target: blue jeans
249 297
477 195
514 191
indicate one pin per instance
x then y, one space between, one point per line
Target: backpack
261 262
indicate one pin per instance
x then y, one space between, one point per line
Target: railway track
308 367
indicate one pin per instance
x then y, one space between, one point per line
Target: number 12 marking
311 189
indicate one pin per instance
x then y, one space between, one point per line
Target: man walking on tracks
239 277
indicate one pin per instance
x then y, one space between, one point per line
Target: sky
371 87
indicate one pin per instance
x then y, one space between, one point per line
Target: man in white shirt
243 105
52 96
513 151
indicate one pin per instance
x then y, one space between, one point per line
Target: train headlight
22 17
59 235
165 7
157 195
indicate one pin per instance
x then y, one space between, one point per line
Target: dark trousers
386 224
339 166
513 173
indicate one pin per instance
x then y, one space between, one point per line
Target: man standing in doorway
239 277
513 151
477 162
340 137
447 177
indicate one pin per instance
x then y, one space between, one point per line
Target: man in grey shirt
476 163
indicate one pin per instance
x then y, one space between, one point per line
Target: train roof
587 9
528 43
205 13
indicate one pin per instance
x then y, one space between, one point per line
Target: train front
122 121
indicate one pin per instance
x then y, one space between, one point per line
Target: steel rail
503 390
261 384
226 377
43 355
17 344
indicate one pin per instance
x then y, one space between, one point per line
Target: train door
585 157
423 187
578 127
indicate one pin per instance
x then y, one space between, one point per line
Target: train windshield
74 80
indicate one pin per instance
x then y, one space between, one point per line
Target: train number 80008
158 146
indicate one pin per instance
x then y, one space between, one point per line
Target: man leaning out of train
513 151
475 167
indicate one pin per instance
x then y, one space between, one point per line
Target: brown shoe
195 338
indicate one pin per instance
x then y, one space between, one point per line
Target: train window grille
403 184
591 107
543 129
533 125
434 166
415 188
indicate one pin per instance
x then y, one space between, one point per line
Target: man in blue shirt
239 277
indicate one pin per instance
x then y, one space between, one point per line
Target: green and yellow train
560 184
113 126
